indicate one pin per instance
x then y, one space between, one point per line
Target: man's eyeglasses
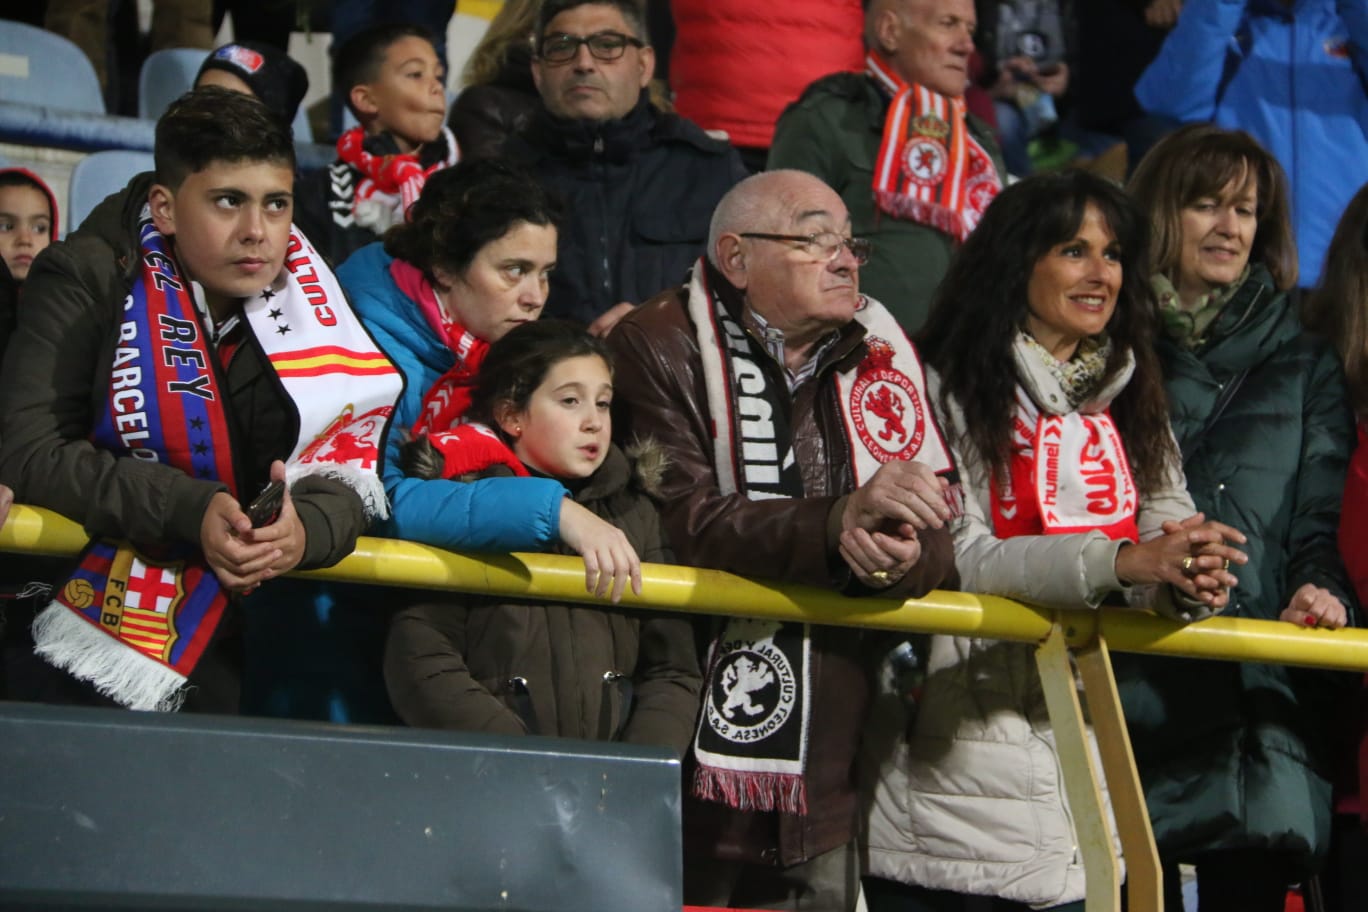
561 48
826 244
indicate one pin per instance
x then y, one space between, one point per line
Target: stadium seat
97 176
39 67
167 74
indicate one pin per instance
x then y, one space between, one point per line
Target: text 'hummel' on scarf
930 169
752 740
134 620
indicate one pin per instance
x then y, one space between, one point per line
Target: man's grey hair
761 202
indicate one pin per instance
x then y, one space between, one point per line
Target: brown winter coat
661 393
574 671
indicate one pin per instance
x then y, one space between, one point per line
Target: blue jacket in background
493 514
1296 80
314 652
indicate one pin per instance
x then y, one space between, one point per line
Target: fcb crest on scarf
134 621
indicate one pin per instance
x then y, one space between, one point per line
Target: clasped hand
1192 555
880 524
243 557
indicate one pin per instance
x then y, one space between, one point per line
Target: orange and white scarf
929 169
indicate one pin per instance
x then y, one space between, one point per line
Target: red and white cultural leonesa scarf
390 184
930 169
1069 474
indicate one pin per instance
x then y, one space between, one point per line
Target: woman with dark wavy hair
1041 338
1234 757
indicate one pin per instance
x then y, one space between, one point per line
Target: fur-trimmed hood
649 462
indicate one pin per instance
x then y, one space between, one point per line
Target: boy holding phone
181 350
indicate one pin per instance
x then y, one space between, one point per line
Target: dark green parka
1233 755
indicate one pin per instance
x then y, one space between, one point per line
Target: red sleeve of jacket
1353 530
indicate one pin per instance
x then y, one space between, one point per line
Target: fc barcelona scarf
135 620
1069 473
752 740
930 169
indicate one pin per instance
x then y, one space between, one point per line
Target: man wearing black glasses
639 184
801 447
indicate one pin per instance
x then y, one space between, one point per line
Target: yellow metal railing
383 561
1066 640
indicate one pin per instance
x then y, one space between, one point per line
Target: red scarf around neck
1069 474
930 169
449 397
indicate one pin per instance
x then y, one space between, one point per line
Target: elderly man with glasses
639 183
801 447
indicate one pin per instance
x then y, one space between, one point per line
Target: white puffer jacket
973 801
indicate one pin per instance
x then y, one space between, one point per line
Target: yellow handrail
381 561
1089 634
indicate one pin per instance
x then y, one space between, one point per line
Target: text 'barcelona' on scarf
752 740
135 618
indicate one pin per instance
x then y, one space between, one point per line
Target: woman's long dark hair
1338 308
981 305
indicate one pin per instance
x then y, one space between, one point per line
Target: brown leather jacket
660 392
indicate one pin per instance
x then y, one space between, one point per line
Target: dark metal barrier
107 809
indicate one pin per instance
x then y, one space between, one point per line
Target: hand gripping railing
1087 635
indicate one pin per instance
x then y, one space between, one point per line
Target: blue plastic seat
97 176
39 67
165 76
169 73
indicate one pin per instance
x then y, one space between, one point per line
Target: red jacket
736 64
1353 544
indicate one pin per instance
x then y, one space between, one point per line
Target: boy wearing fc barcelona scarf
180 350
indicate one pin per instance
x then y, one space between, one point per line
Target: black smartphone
266 507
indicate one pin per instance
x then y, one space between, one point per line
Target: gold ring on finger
1187 563
880 575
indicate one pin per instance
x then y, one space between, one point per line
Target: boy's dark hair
214 124
358 60
517 364
631 10
464 207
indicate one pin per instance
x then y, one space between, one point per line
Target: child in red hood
28 219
